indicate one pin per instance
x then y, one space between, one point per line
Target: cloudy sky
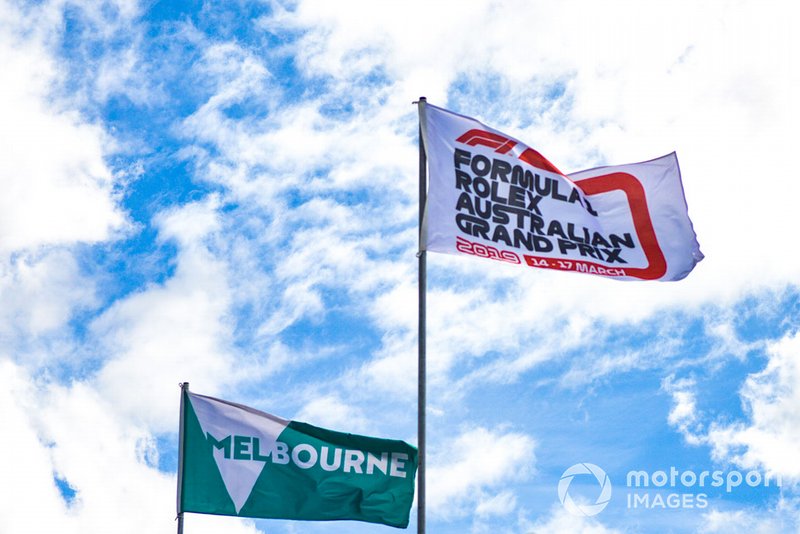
225 193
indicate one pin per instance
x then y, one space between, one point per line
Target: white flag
492 196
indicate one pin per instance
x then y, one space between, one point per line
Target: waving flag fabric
242 462
492 196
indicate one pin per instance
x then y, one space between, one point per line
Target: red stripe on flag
628 184
534 158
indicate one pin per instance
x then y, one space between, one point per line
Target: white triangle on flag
221 419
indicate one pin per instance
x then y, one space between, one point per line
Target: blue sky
227 195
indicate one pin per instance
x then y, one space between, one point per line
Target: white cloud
771 397
57 188
727 343
464 470
684 414
74 434
30 490
502 504
174 332
40 291
331 412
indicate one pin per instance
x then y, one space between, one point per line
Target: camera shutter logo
584 509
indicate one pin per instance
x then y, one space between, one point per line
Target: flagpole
181 438
422 283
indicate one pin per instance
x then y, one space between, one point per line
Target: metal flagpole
181 437
422 282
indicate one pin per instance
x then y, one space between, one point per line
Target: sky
225 193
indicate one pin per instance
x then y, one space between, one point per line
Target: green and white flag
243 462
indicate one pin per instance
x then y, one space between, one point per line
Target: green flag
243 462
